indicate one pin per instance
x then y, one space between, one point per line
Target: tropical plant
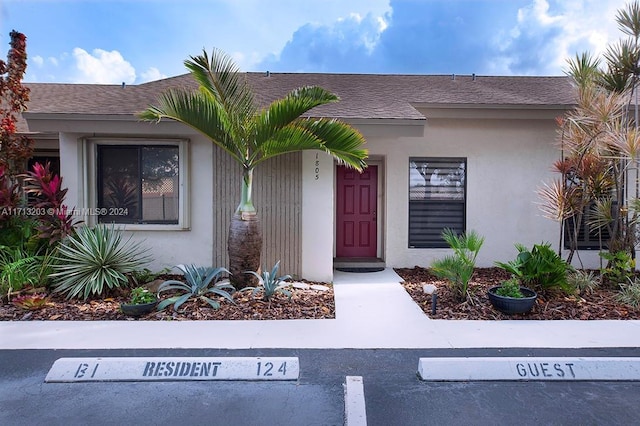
510 288
630 294
620 267
200 283
94 259
270 284
19 268
31 302
9 196
600 145
539 268
46 196
15 149
141 295
226 111
146 275
584 282
458 268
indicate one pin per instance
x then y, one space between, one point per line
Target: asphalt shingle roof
363 96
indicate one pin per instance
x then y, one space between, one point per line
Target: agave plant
269 284
94 259
200 283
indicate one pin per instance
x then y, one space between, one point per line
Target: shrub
145 275
269 283
510 288
94 259
46 195
18 269
458 268
200 282
31 302
630 294
620 266
584 282
540 268
141 295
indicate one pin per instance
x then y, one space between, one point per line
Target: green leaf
94 259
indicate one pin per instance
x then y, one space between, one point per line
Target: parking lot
393 393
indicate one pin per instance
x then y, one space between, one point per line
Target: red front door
356 227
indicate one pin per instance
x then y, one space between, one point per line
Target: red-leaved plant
46 197
14 149
31 302
9 196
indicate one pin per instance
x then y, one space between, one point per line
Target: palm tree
225 111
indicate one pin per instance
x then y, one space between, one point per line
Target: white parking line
355 413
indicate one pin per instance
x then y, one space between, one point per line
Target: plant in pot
142 302
511 297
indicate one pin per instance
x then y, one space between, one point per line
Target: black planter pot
137 310
513 305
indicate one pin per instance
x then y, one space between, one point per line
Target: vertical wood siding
277 195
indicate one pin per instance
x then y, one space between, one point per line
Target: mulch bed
313 304
304 304
599 305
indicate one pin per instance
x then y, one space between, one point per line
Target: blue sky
134 41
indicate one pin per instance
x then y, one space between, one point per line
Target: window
44 158
437 194
588 238
139 184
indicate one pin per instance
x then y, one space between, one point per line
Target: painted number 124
267 369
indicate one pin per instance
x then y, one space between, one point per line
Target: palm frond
202 114
285 111
339 140
584 69
629 19
220 78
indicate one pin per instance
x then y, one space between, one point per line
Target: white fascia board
389 127
83 123
491 111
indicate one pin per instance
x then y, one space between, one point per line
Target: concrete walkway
372 311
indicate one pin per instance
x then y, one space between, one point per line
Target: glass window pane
436 199
139 183
160 184
436 179
119 184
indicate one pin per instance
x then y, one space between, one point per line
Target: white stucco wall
169 247
508 157
506 162
317 216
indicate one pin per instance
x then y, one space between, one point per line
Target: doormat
360 270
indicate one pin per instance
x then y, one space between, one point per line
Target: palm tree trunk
245 238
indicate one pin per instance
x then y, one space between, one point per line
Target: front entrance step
358 262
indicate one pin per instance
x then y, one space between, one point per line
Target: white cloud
558 30
37 60
151 74
102 67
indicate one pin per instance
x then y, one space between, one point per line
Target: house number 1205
317 170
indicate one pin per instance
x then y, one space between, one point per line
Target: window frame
463 202
91 180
